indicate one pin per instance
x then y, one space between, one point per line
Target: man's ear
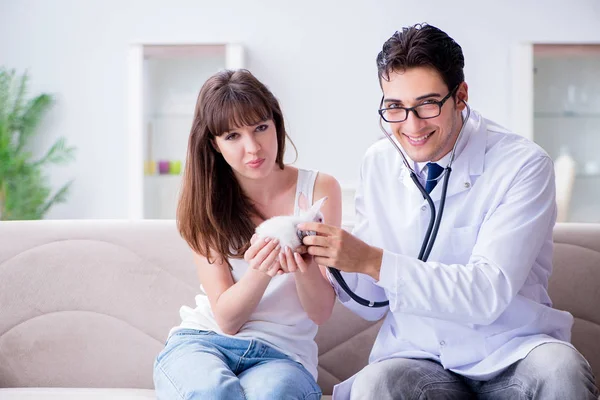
462 96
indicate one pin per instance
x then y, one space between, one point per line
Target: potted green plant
25 192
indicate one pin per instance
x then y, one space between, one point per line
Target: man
475 319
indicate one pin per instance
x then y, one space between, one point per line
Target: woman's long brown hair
213 213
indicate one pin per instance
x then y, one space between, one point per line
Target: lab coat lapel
468 164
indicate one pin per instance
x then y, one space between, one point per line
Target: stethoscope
434 221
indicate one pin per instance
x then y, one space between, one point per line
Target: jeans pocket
178 338
184 334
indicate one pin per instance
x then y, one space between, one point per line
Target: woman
251 334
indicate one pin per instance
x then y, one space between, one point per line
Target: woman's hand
262 255
292 261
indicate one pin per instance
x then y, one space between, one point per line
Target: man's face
424 139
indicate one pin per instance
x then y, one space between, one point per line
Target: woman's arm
231 302
314 290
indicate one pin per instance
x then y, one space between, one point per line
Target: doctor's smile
418 140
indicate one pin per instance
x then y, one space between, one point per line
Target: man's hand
334 247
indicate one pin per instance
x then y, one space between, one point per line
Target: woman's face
250 150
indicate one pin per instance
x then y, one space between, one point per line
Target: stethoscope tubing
434 221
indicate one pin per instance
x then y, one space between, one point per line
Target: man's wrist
374 262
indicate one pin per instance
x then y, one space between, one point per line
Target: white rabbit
284 227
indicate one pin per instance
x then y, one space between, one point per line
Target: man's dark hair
422 45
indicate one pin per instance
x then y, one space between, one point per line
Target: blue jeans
205 365
550 371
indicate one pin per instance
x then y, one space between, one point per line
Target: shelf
586 175
162 176
565 115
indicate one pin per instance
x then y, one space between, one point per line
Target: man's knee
558 369
375 379
398 378
554 360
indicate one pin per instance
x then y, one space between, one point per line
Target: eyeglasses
429 109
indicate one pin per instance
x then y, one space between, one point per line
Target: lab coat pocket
462 241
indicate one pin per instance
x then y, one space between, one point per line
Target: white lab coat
480 303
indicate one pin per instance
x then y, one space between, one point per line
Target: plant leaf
25 191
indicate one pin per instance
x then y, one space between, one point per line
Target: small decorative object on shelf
163 167
591 168
175 167
149 164
149 167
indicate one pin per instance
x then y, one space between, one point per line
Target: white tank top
279 319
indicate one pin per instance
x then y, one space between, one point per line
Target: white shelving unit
567 118
164 83
556 103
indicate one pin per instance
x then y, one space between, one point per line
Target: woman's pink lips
256 163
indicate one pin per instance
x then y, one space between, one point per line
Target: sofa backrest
89 303
574 285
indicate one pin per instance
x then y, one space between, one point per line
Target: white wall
316 56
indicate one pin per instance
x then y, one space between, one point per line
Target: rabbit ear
302 202
316 207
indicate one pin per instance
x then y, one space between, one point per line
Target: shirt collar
421 168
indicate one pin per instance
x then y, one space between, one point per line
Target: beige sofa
86 305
